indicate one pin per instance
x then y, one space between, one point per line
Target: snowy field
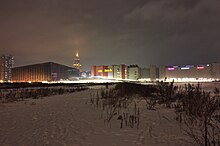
206 85
70 120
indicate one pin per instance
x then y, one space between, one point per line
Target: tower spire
76 63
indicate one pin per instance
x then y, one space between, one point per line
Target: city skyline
142 32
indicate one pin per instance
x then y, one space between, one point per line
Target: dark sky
143 32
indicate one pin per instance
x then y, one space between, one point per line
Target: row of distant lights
186 67
191 80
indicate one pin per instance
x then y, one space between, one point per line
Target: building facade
6 65
181 73
100 71
119 71
133 72
111 72
48 71
150 73
192 72
178 73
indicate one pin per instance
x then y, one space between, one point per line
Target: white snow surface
70 120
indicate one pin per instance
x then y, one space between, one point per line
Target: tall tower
76 63
6 64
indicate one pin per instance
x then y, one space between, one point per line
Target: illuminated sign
108 70
171 68
184 68
100 71
200 67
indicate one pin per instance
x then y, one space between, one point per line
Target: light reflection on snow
85 81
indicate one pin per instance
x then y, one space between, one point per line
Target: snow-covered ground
70 120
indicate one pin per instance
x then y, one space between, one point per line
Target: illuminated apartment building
119 71
6 64
133 72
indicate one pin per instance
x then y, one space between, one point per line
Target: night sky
143 32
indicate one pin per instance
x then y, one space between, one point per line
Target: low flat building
48 71
191 72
